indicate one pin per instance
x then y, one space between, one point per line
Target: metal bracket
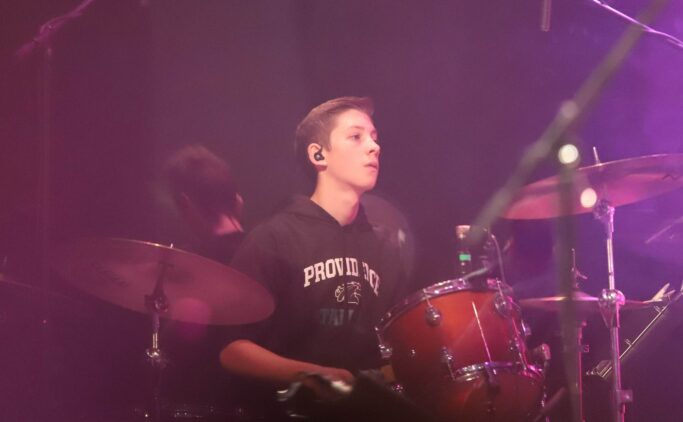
448 360
385 351
625 396
433 316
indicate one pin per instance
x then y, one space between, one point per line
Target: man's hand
246 358
336 374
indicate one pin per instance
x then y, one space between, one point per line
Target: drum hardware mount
608 300
387 351
503 305
432 315
604 368
448 361
398 388
157 304
518 346
611 300
526 330
492 382
580 325
515 345
488 369
542 356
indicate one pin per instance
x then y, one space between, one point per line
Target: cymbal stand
157 304
579 346
611 300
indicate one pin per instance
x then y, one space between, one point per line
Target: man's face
353 155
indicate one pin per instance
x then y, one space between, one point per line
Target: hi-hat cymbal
620 182
197 289
585 303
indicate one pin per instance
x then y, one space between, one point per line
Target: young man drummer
332 275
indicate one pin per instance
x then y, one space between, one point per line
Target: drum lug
397 388
541 356
385 351
448 360
515 345
503 305
526 330
433 316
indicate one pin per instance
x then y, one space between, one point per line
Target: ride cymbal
619 182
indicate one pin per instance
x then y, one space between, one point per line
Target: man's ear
316 155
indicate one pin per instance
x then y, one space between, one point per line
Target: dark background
460 87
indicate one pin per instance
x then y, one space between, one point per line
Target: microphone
463 265
474 252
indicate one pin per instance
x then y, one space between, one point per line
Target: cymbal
585 303
620 182
197 289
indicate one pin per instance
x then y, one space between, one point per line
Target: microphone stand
43 41
49 29
646 28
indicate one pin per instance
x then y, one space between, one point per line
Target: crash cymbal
585 303
620 182
197 289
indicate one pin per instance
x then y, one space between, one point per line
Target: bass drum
457 350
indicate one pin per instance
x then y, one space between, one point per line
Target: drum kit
458 348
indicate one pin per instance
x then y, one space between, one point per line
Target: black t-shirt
331 285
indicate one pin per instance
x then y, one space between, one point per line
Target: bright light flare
568 154
588 198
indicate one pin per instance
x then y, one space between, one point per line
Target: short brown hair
205 178
316 127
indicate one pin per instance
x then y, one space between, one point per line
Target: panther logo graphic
354 292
